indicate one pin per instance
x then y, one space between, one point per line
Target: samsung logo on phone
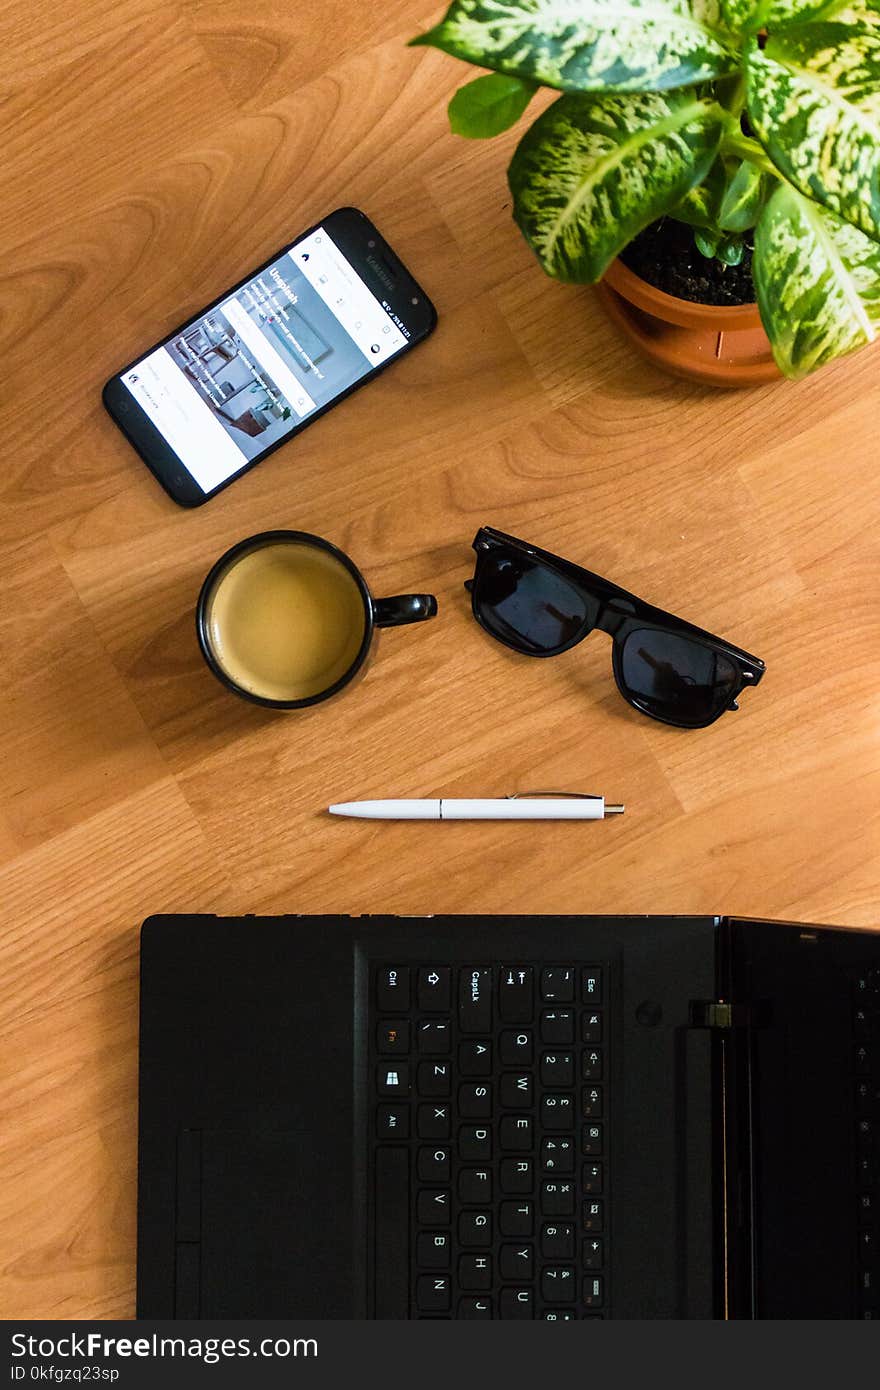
379 270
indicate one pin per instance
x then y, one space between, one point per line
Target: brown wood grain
152 154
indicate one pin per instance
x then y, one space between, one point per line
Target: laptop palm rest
242 1202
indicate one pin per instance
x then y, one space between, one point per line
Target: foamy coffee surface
285 621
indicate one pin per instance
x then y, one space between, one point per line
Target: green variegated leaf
817 281
701 207
752 15
813 98
730 249
591 45
706 242
743 199
593 171
489 105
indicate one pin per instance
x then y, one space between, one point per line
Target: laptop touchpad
264 1199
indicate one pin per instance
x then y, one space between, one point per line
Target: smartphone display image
276 351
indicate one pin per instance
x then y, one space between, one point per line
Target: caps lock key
475 1000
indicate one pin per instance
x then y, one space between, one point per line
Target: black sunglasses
540 605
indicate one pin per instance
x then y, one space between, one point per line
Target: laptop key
433 1165
475 1101
592 1254
594 1291
475 1001
433 1207
474 1142
516 1047
434 1078
593 1216
557 1027
557 1240
517 1091
557 985
470 1308
515 1132
433 989
433 1293
392 1039
434 1037
592 986
557 1198
517 1176
516 1218
391 1230
592 1142
557 1111
517 1303
592 1068
558 1284
432 1250
516 1261
591 1179
592 1102
475 1272
475 1229
392 989
557 1069
475 1186
475 1058
393 1079
591 1027
433 1121
392 1122
557 1155
515 994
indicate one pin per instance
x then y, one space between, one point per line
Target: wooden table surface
154 153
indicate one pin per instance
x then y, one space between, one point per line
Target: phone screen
236 381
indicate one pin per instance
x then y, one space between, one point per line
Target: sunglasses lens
527 605
674 678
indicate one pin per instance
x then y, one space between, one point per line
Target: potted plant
743 135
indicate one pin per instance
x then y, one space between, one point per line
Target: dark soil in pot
664 254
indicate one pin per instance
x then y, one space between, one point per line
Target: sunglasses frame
619 614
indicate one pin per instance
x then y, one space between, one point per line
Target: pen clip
576 796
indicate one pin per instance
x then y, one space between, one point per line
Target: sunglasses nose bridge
612 615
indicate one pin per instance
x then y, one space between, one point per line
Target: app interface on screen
244 375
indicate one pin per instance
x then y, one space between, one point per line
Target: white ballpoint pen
529 806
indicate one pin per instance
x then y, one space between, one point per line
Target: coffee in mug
286 618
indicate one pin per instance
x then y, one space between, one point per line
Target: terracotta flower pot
722 346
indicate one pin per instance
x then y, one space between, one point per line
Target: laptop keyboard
490 1150
866 1019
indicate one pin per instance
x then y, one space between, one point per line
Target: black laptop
546 1118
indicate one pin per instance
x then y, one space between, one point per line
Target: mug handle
403 608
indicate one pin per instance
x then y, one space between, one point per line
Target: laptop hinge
715 1013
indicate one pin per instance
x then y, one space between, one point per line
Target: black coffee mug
286 619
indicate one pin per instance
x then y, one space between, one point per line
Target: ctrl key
392 1122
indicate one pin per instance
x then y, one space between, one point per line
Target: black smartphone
321 317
